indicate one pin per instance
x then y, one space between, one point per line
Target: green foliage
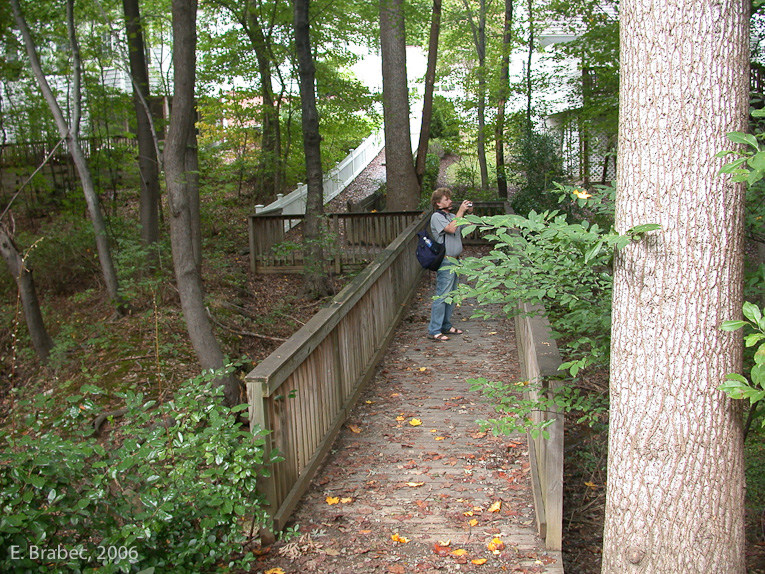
172 494
537 158
517 408
565 267
737 386
445 124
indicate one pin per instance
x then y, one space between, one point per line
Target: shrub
537 158
172 497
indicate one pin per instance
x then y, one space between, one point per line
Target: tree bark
403 191
41 340
180 188
427 100
148 164
675 470
316 279
83 169
479 40
504 89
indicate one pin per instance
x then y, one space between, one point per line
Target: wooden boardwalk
399 497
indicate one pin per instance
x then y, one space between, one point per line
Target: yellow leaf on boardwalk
496 506
415 484
440 438
422 369
400 418
459 552
468 513
479 561
332 500
354 428
415 422
275 571
496 545
473 522
346 500
399 539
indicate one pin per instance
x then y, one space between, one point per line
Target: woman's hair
438 195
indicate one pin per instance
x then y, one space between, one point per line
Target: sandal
454 331
439 337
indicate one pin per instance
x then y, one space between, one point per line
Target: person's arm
451 228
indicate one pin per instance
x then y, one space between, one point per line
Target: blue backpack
429 253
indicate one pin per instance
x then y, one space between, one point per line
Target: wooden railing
540 359
302 393
353 239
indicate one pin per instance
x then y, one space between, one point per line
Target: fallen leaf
346 500
468 513
415 484
496 506
369 402
355 429
331 552
415 422
473 522
422 369
459 552
396 395
441 549
479 561
440 438
444 542
496 545
399 539
478 435
400 418
332 500
365 532
591 484
433 430
275 571
492 333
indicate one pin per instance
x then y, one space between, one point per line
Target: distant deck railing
352 239
303 392
540 359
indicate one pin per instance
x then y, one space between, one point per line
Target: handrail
302 392
539 360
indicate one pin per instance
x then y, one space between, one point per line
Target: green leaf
644 228
732 325
752 312
742 138
753 339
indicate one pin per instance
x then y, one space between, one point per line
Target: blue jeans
440 310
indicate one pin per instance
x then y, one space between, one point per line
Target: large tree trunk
316 279
70 134
504 88
180 187
41 340
427 100
403 192
675 468
148 164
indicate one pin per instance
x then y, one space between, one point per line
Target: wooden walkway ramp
412 484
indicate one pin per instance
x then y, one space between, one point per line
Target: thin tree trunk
479 40
528 69
504 88
430 81
70 134
316 279
675 495
148 163
403 191
179 190
41 340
